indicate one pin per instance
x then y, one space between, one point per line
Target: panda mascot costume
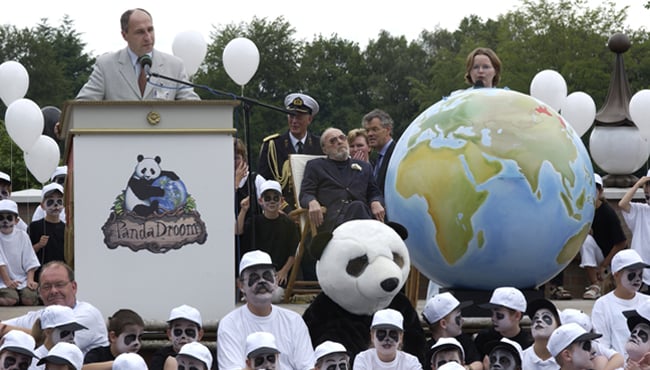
361 267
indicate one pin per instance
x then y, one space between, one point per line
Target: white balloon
191 47
24 121
42 158
14 81
579 110
640 111
618 150
549 86
241 59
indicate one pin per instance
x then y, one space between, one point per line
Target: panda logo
141 188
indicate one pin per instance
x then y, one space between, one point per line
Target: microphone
477 85
145 62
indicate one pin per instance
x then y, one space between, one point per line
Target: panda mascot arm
361 267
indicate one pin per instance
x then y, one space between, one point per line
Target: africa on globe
495 189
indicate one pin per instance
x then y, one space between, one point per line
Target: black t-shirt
278 237
606 227
524 338
99 354
54 249
160 356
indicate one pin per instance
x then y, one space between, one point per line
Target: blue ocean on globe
495 189
175 194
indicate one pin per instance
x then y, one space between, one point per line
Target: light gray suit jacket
113 78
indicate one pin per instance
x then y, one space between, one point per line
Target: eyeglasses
51 202
58 285
336 139
9 217
259 360
382 333
268 198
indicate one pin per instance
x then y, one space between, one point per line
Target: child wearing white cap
544 318
387 334
442 313
184 326
262 351
331 355
129 361
18 262
275 233
504 354
16 349
48 234
638 345
571 347
194 355
63 354
508 306
636 216
606 317
446 350
5 193
57 324
58 176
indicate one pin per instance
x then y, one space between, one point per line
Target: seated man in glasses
257 282
275 233
261 351
48 235
18 262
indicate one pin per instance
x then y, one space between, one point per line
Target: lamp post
616 144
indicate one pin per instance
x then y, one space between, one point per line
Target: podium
149 201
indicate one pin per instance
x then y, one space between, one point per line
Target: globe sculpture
175 194
495 189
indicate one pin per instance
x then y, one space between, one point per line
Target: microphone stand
247 104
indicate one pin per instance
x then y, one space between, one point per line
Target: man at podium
121 75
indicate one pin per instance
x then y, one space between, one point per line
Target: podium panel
152 219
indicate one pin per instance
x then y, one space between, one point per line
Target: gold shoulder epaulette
270 137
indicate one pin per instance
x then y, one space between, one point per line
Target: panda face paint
5 190
182 332
639 342
503 320
502 359
454 323
582 355
130 339
258 284
632 279
543 323
386 341
189 363
7 222
335 361
53 204
62 335
265 361
14 361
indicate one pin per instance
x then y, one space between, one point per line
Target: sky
359 21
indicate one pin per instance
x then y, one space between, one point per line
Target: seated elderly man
344 186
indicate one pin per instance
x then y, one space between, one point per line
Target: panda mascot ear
140 157
318 244
399 229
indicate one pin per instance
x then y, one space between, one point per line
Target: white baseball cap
508 344
270 185
627 258
58 316
442 305
640 315
197 351
565 335
508 297
186 312
388 318
19 342
569 315
447 343
254 258
60 170
64 353
50 188
327 348
5 177
8 205
598 179
451 365
259 343
129 361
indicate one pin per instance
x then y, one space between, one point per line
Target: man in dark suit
379 126
118 75
344 186
276 148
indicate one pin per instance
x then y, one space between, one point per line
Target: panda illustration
361 267
140 188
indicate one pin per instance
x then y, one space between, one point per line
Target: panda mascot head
363 264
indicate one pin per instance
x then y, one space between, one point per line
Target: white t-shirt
86 314
638 220
368 360
288 327
607 319
17 253
531 361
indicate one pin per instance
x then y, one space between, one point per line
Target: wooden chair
297 164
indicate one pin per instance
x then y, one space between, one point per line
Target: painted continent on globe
495 188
